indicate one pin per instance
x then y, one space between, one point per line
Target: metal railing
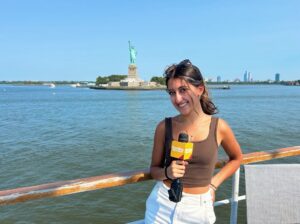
61 188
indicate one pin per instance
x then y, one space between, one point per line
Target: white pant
193 208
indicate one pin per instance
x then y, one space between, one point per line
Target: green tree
116 78
160 80
101 80
111 78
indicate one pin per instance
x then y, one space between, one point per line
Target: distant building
246 76
249 77
219 79
277 77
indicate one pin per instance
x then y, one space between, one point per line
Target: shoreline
225 87
126 88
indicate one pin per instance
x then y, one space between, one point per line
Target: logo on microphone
182 150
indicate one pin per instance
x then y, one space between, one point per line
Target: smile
182 104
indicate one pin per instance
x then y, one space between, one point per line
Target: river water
65 133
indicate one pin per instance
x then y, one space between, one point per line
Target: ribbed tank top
201 166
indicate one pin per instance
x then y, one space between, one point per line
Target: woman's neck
192 118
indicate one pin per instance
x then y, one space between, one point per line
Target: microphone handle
178 180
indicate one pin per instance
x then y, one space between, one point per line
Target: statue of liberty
132 53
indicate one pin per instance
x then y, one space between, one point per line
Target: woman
189 96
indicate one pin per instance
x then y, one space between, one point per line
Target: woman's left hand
213 194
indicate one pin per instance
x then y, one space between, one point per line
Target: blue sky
80 40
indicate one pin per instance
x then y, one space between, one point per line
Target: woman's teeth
182 104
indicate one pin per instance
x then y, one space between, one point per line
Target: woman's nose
178 97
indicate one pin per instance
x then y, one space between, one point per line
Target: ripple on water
79 133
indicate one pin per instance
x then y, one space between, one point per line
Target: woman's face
184 96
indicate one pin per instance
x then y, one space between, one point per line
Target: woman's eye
171 93
183 89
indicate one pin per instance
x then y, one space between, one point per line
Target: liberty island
132 81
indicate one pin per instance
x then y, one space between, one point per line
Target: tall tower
277 77
249 77
246 76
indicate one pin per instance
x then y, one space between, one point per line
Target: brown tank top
201 166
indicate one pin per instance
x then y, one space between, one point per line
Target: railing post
235 197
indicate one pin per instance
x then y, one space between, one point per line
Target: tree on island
116 78
101 80
111 78
160 80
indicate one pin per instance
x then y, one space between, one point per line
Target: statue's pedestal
132 72
133 78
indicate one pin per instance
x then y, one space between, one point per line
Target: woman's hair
190 73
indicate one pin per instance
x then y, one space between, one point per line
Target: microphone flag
181 150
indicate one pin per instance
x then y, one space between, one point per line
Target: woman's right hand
176 169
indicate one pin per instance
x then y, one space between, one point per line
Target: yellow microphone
182 149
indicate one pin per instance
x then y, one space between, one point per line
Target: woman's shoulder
162 124
223 126
160 127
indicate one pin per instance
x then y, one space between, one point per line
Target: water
49 135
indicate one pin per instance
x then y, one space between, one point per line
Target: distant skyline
79 40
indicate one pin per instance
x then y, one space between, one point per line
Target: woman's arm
157 172
226 137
